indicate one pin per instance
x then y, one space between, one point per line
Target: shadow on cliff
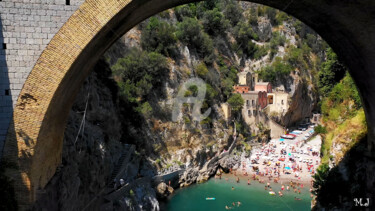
95 145
8 159
345 182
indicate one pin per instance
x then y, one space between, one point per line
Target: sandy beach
285 159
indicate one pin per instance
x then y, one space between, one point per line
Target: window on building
254 112
4 46
67 2
270 99
252 103
248 112
7 92
247 102
282 102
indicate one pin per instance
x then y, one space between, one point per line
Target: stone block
22 52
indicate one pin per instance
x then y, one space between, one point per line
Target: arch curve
34 140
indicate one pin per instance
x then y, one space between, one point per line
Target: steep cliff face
91 147
302 103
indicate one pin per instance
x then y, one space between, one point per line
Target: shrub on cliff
244 35
158 36
191 33
236 102
214 22
332 72
138 73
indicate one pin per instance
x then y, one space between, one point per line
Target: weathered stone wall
27 26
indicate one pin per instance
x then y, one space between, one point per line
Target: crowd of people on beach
287 163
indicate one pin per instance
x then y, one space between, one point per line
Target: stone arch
34 140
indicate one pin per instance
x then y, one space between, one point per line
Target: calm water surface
252 197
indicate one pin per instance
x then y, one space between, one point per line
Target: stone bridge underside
35 136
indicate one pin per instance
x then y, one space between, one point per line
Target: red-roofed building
241 89
263 87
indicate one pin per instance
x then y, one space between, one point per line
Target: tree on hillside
244 35
191 33
332 72
158 36
214 22
233 12
138 73
183 11
277 72
236 102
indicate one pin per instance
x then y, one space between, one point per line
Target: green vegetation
159 36
244 36
260 52
131 192
178 162
190 31
233 12
279 70
202 70
344 125
341 108
186 10
205 121
276 17
187 120
214 22
276 41
342 101
320 129
137 74
236 102
331 73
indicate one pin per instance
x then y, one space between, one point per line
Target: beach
282 159
292 162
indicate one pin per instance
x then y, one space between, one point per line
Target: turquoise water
252 197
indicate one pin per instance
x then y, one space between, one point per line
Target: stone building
278 102
244 79
315 118
251 108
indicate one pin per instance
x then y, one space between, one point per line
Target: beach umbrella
281 139
287 168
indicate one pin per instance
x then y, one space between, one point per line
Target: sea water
252 197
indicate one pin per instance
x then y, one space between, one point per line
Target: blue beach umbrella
287 168
281 139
